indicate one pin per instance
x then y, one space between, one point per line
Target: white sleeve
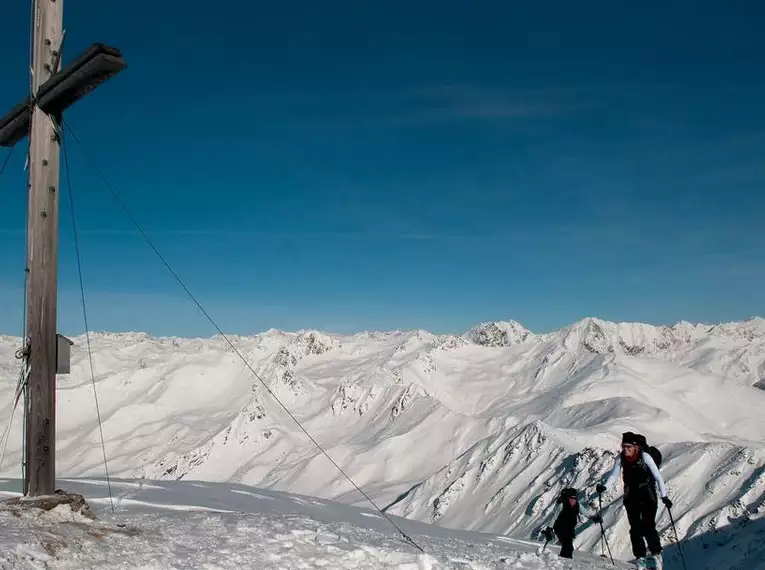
616 471
648 460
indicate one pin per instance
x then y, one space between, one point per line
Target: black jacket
567 519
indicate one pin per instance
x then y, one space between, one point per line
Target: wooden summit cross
39 116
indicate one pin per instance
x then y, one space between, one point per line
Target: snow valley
477 432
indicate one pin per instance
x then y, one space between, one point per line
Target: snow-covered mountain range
477 431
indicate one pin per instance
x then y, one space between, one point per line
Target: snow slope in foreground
164 525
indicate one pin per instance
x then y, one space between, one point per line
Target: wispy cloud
445 103
480 110
481 102
450 101
425 105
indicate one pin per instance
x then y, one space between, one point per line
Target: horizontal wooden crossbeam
15 125
96 65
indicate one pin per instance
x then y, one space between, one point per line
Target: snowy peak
735 350
314 342
422 340
449 342
301 343
603 337
752 329
304 344
590 334
415 341
499 333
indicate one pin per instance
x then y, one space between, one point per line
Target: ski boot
653 562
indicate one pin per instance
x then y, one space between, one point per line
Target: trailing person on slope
564 526
640 474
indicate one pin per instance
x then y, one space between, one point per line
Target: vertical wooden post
42 252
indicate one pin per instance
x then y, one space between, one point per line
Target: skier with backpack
564 526
638 464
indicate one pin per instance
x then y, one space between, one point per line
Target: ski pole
602 535
677 537
603 530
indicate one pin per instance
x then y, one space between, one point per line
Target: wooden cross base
49 502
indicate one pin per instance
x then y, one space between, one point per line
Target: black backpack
655 455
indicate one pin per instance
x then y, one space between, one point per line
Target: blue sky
408 164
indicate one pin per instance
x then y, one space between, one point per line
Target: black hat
567 493
631 438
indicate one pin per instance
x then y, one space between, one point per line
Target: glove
548 533
600 488
667 502
597 519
